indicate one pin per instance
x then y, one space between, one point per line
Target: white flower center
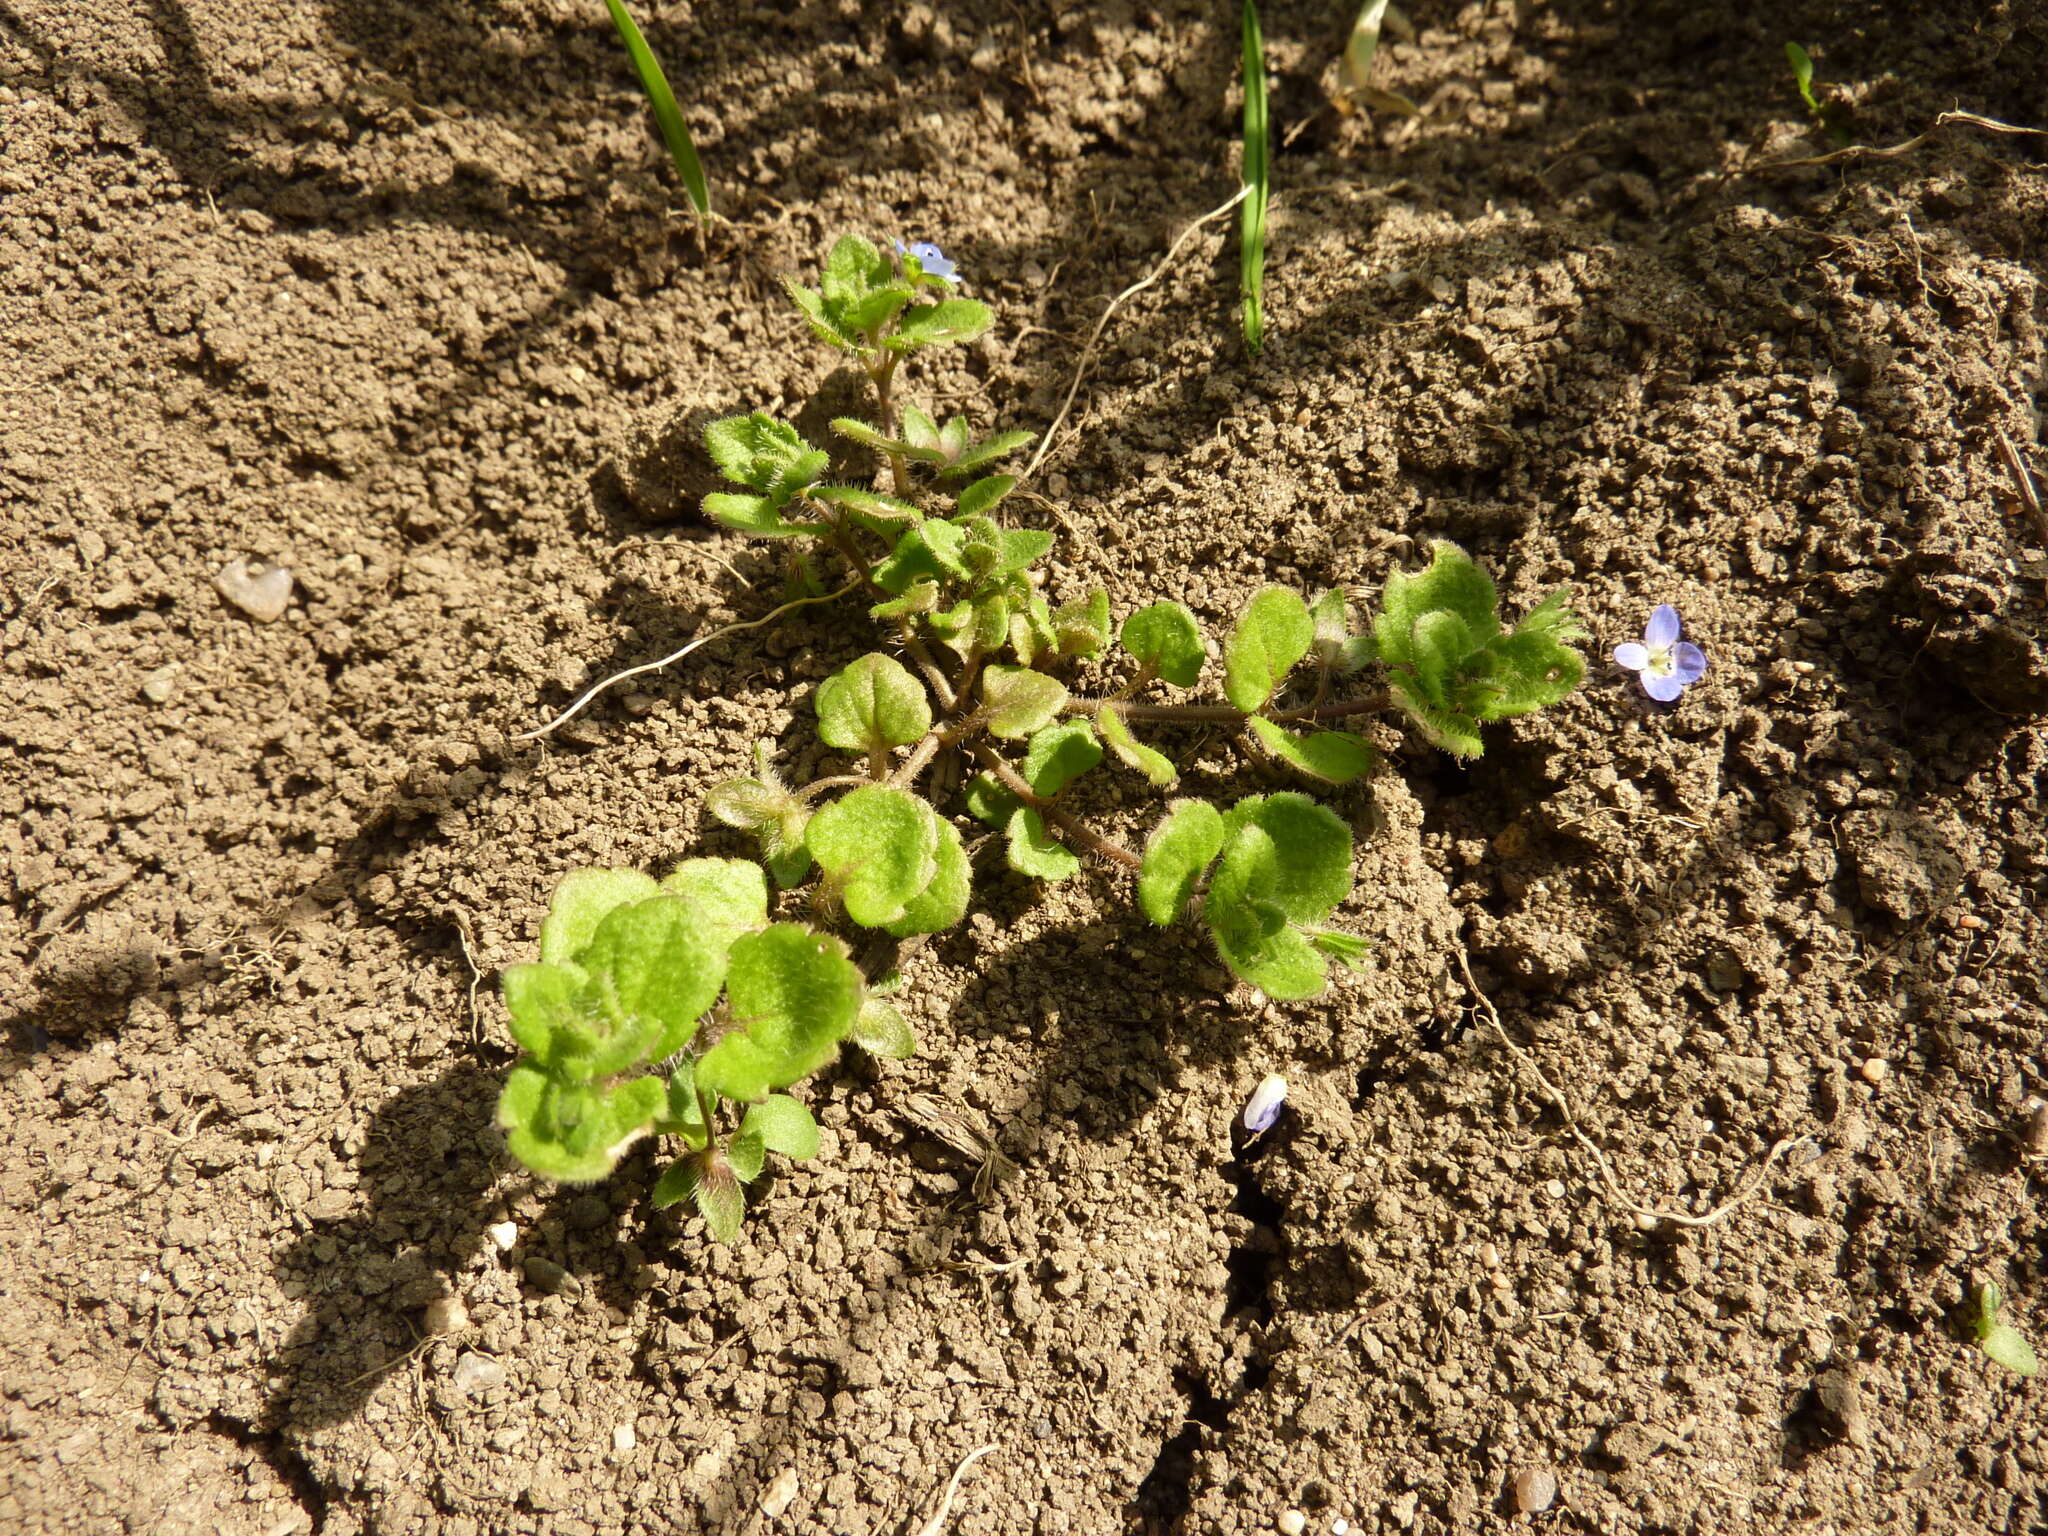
1663 661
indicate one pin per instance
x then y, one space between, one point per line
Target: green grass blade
674 131
1251 214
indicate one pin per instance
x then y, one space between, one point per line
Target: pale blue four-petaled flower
930 258
1665 664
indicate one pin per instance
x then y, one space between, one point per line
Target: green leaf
940 324
793 993
989 801
748 803
881 1030
876 309
879 847
1165 637
854 268
1281 964
574 1132
918 597
1082 628
1059 754
921 433
764 455
729 894
812 303
1021 546
1347 949
1451 582
2005 1344
972 456
1178 851
754 515
584 898
1273 634
871 508
677 1182
868 436
526 1085
1528 669
720 1203
654 968
1336 757
544 1002
943 902
1116 734
871 705
983 494
933 549
1334 643
744 1155
1287 850
1034 851
1802 74
1439 647
1020 701
783 1125
675 133
685 1115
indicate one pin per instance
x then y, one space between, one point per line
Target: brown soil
394 293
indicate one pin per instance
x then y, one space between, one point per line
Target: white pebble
261 591
623 1438
1535 1490
504 1234
444 1316
1291 1522
1876 1070
476 1373
779 1494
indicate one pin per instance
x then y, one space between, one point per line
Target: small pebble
1339 1526
779 1494
547 1275
623 1437
1291 1522
263 592
445 1316
1555 1189
1535 1490
476 1373
2034 1132
161 685
504 1234
1875 1070
1646 1221
639 703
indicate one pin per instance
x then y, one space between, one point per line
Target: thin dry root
937 1523
1646 1215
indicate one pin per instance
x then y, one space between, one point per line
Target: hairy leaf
793 995
764 455
881 1030
584 898
1020 700
1166 637
1273 634
973 456
1299 861
783 1125
943 902
1033 851
1059 754
948 321
989 801
545 1002
653 969
1176 854
872 704
978 497
757 516
1335 757
730 894
1116 735
879 846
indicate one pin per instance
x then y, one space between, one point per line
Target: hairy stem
1230 714
1075 831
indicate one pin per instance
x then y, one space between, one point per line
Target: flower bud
1263 1107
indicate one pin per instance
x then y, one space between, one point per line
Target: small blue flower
930 258
1263 1108
1665 664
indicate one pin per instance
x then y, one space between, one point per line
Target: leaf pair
773 461
711 1179
951 449
1274 635
764 805
1282 864
863 306
891 861
1455 666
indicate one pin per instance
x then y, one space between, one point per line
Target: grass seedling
1362 47
2001 1341
1830 119
1251 214
684 1007
675 133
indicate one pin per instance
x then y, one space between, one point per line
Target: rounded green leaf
582 900
943 902
730 894
1020 700
990 801
1336 757
1059 754
1269 639
793 995
871 705
1166 637
879 847
1282 964
783 1125
1300 859
881 1030
653 969
1178 851
1451 583
544 1002
1034 851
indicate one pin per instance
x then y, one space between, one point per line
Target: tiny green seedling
1251 213
1832 119
2001 1341
686 1006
